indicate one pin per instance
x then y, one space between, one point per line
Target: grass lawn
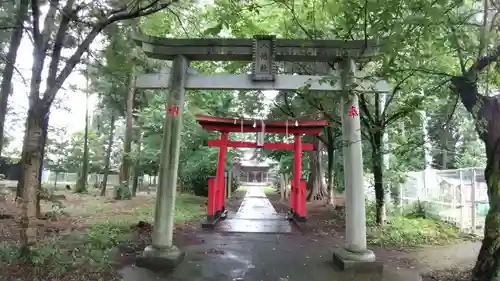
268 189
82 239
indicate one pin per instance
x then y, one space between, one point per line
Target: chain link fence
455 196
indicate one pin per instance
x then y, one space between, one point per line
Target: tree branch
48 28
59 43
35 10
484 61
394 91
363 104
153 7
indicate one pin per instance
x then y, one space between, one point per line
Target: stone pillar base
363 261
156 259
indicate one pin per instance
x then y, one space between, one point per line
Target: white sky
71 113
73 120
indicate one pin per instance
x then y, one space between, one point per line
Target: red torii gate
217 186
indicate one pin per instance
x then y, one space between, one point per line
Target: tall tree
472 86
19 18
63 26
81 185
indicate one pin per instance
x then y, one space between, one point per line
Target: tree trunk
81 185
378 175
317 180
8 71
29 181
137 167
486 112
330 179
127 143
108 155
55 181
45 132
282 187
488 261
287 186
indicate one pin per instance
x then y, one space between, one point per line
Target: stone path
462 255
256 215
279 254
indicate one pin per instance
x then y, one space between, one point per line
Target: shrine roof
212 123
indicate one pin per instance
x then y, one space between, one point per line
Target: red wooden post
297 171
221 165
211 198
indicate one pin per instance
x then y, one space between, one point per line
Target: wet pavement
285 256
256 215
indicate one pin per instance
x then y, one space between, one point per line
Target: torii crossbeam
217 189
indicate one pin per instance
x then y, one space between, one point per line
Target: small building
254 170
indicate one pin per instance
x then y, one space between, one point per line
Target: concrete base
212 220
298 220
157 260
356 261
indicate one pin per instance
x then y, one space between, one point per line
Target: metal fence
456 196
49 177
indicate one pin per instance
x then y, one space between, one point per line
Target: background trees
426 47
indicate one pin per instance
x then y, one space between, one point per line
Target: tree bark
45 132
127 143
137 168
55 180
486 112
330 174
8 72
108 155
317 180
81 185
378 175
29 181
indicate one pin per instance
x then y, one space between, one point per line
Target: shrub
122 192
412 229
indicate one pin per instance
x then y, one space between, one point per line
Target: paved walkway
256 215
280 254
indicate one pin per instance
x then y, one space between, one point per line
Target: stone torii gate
263 52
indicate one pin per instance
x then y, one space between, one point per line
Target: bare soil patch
326 226
90 237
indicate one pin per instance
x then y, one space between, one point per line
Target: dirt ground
437 263
325 226
83 213
79 212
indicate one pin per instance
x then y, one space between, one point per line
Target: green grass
95 247
268 189
412 229
187 207
412 232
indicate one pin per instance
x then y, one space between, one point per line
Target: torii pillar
355 255
162 253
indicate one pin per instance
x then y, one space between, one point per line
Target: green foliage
415 228
197 161
94 249
122 192
66 155
57 144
